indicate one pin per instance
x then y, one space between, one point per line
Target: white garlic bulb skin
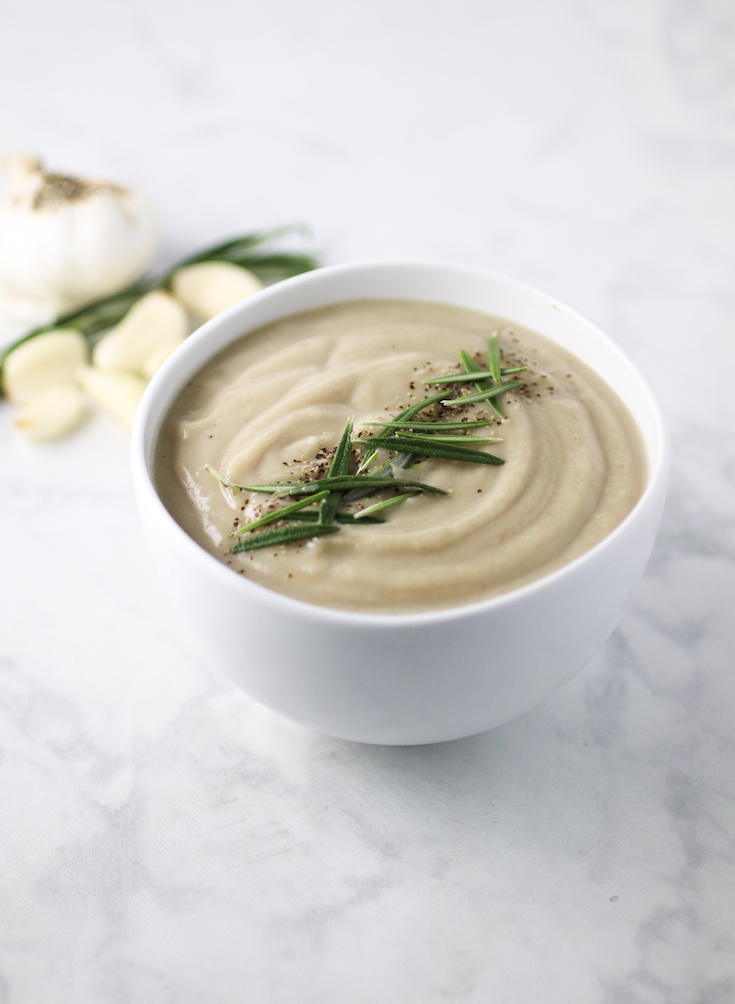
65 241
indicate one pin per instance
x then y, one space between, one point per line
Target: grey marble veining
163 840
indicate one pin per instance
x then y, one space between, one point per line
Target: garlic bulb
65 241
155 319
210 287
49 360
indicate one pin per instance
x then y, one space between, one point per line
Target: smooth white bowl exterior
409 678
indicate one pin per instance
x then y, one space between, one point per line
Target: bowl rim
210 565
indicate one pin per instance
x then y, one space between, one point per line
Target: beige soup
273 405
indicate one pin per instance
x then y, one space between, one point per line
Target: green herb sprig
333 484
485 395
434 446
433 425
437 437
365 514
406 437
481 374
311 516
340 467
276 514
282 535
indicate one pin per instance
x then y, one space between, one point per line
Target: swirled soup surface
273 405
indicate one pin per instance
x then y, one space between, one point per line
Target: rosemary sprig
486 395
482 385
493 357
438 438
480 374
345 484
384 504
282 535
283 513
432 446
400 419
340 466
269 267
406 438
342 483
432 425
308 516
95 318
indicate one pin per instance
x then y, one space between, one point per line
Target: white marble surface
162 839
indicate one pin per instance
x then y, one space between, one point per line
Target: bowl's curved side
408 678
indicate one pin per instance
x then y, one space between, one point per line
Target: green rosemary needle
472 440
432 425
493 357
486 395
340 466
401 418
309 516
282 488
431 446
482 385
384 504
283 513
282 535
470 378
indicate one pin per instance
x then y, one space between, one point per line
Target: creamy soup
273 406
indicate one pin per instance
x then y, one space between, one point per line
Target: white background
162 839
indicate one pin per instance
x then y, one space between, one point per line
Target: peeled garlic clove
158 357
43 361
53 413
156 318
212 286
116 391
65 241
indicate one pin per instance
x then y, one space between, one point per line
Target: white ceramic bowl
413 678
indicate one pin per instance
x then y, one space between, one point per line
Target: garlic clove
155 359
65 241
156 318
210 287
53 413
116 391
44 361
